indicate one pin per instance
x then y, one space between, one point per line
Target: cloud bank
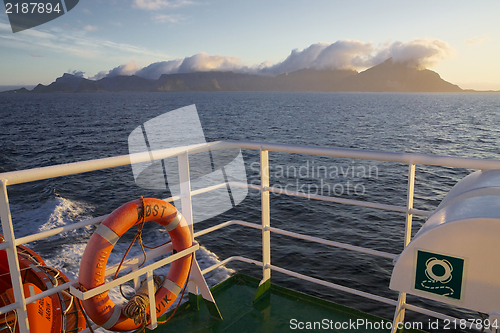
128 69
200 62
90 28
343 54
477 40
419 52
159 4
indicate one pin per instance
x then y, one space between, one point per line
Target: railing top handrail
406 158
29 175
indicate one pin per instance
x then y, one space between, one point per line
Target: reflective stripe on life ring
100 308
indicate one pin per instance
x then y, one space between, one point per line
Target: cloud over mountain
351 54
343 54
419 52
127 69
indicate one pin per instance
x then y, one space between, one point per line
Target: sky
460 40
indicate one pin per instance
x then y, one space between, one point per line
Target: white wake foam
64 211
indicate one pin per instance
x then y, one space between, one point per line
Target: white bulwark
454 257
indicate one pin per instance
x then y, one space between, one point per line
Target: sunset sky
458 39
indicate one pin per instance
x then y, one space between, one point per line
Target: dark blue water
46 129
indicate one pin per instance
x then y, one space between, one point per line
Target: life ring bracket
84 295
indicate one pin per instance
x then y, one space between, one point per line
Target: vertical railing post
409 203
266 215
399 315
152 305
265 283
15 274
186 204
137 280
185 188
196 282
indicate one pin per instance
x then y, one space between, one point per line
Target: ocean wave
57 212
64 211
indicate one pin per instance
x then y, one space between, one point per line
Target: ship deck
280 310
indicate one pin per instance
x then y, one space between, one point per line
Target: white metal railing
182 153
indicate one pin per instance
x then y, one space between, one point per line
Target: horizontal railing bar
55 231
129 263
368 204
5 244
49 292
333 243
401 209
23 176
31 299
221 185
240 184
82 224
165 248
105 287
405 158
429 312
30 175
10 307
171 199
73 226
150 254
225 261
13 306
297 235
225 224
209 188
334 285
328 284
419 212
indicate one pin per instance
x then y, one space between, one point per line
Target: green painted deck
280 310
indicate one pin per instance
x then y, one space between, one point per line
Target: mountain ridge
388 76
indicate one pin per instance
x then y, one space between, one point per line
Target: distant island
389 76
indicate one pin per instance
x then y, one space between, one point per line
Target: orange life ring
55 313
100 308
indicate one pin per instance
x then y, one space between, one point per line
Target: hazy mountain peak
388 76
